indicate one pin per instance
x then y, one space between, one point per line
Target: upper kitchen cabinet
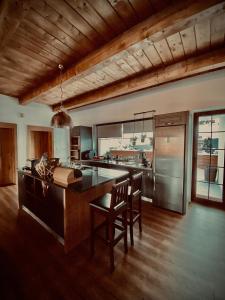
177 118
80 142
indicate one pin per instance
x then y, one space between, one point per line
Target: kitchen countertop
94 176
91 177
127 164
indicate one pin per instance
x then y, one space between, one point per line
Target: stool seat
104 203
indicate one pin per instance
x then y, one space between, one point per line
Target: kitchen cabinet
80 141
178 118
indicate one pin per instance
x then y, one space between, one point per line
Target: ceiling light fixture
61 119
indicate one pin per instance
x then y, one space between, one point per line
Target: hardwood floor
175 258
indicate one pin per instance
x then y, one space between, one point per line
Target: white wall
33 114
198 93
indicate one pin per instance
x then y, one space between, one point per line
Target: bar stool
110 206
134 195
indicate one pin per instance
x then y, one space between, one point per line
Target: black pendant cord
61 89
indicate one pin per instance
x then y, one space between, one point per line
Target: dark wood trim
194 159
210 203
14 127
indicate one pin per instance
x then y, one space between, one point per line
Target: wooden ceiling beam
170 20
191 67
12 12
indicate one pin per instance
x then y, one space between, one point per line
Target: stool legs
111 244
92 232
140 215
124 215
131 224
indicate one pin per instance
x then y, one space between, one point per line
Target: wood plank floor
175 258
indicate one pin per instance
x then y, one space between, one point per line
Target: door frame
31 128
14 127
194 160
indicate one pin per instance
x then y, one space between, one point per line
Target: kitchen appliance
170 161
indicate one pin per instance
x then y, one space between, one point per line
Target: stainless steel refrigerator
169 166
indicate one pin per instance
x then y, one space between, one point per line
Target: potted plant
133 140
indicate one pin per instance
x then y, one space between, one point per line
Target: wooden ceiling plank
105 77
153 55
18 65
37 48
189 41
93 80
81 43
93 18
143 8
64 8
176 46
44 40
125 11
172 19
89 84
67 43
11 15
31 52
213 60
141 58
109 15
218 30
125 67
13 81
115 70
164 51
28 61
202 32
16 71
133 62
159 4
45 36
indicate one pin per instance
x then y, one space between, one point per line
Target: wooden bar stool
110 206
135 191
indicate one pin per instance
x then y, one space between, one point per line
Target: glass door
209 162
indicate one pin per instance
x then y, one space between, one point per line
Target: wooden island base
65 212
77 214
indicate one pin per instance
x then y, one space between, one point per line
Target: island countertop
91 177
94 176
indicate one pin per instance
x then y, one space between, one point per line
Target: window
126 139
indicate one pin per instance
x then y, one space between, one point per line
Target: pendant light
61 119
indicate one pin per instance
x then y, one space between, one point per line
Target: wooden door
7 156
40 140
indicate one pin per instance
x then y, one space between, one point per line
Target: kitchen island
65 211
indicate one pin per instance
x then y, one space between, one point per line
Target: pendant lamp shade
61 119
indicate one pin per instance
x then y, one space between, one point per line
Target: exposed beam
12 13
194 66
171 20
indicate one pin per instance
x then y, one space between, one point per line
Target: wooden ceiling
108 47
